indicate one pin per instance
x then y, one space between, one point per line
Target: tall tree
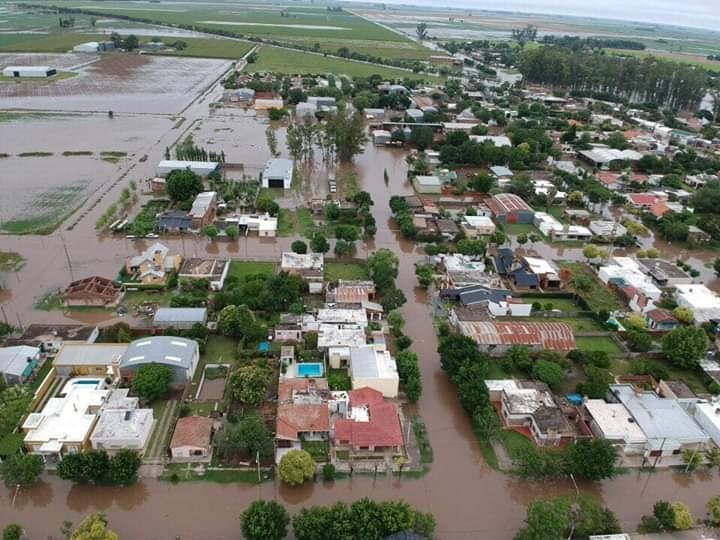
264 520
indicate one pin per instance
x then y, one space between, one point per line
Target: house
303 110
179 318
203 210
461 270
153 266
481 303
297 422
240 95
65 423
278 173
556 231
497 337
416 115
201 168
707 415
351 292
661 320
606 158
50 337
214 270
427 184
374 114
17 364
381 137
665 273
530 404
606 229
121 429
703 302
98 359
509 208
610 180
337 342
372 366
192 439
642 201
94 47
371 425
613 422
29 71
342 317
309 266
499 140
93 291
447 228
697 235
289 328
174 221
475 226
527 273
179 354
500 172
669 428
626 276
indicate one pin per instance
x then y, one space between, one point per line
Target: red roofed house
610 180
643 200
496 338
192 439
372 425
302 414
659 209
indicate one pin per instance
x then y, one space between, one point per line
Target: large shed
29 71
179 354
278 173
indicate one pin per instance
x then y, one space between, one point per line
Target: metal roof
184 315
550 335
169 350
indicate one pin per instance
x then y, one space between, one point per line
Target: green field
601 343
47 211
240 269
208 48
335 270
692 59
274 59
315 27
55 42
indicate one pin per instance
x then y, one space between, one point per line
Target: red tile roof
288 386
607 178
383 428
642 199
192 431
660 315
659 209
292 420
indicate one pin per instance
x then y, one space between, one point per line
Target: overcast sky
696 13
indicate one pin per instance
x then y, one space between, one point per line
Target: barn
29 71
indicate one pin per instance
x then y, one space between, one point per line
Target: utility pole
257 459
67 256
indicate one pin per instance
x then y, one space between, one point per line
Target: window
197 452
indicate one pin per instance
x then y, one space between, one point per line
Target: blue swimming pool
94 382
309 369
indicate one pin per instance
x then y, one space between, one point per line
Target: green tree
249 384
522 239
73 468
21 469
94 527
425 274
124 467
455 350
591 459
264 520
421 31
152 381
12 532
131 43
319 244
713 508
665 515
683 517
684 315
249 436
211 231
344 248
421 137
240 322
232 232
684 347
471 248
550 373
296 467
597 382
183 185
546 520
383 266
298 246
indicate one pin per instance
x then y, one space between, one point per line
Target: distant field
693 59
307 24
48 210
286 61
58 42
209 48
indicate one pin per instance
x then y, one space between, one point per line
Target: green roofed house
179 354
17 364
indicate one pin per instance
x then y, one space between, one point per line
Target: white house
18 363
372 366
704 303
201 168
29 71
708 416
118 429
612 421
626 274
475 226
557 231
278 173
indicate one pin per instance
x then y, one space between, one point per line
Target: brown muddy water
468 499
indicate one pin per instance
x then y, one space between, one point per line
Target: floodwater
468 499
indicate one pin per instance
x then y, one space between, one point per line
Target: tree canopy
685 346
183 185
152 381
264 520
296 467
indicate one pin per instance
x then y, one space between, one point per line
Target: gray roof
278 168
659 418
95 354
14 360
169 350
180 315
363 362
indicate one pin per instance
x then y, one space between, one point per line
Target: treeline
577 43
662 82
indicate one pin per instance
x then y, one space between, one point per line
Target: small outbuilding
278 173
192 439
428 184
201 168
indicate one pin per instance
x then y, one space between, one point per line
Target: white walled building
29 71
703 302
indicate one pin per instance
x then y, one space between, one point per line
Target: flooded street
468 499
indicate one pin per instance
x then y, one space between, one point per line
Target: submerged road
468 499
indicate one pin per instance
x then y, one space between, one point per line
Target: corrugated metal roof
550 335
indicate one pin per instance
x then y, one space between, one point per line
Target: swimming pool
309 369
84 383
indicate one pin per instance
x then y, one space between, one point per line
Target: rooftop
15 360
95 286
548 335
615 421
192 431
180 315
95 354
168 350
305 261
294 419
121 423
379 426
202 203
504 203
368 363
278 168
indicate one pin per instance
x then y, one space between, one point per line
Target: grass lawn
58 42
602 343
305 222
286 222
514 229
202 408
208 48
578 324
557 213
339 379
277 60
598 297
335 270
220 350
49 302
319 450
159 297
566 305
514 441
240 269
10 261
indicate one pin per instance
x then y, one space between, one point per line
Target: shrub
328 471
296 467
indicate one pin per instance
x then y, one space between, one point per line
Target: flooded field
121 83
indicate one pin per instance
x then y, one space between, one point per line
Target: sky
693 13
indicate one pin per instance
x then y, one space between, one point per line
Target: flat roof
615 421
122 423
367 363
428 180
14 360
658 418
94 354
278 168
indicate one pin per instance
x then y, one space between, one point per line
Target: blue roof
264 346
504 260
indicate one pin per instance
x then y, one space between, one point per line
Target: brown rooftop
95 286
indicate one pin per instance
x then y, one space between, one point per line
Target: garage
277 174
276 183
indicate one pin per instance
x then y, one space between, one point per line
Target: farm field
693 59
279 60
311 25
